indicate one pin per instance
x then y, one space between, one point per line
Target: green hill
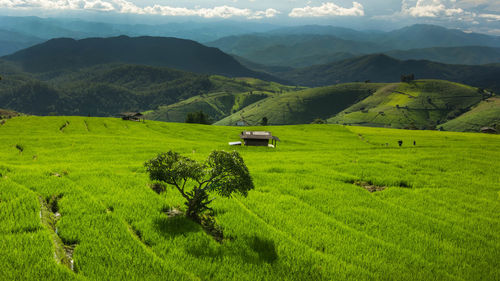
304 106
76 204
103 90
485 114
421 104
236 94
106 90
68 54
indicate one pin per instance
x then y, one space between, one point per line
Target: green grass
485 114
438 218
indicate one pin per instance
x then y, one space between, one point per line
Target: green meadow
75 204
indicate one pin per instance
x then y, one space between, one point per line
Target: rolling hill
382 68
65 54
304 106
421 104
485 114
106 90
231 96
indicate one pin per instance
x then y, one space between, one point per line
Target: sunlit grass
437 219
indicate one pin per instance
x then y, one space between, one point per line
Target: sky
468 15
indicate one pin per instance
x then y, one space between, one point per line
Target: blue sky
468 15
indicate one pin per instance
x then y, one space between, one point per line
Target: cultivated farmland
75 204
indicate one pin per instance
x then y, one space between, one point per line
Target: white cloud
328 9
123 6
429 9
269 13
490 17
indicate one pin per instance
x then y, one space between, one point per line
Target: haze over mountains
310 45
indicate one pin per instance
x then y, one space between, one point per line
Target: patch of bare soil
369 186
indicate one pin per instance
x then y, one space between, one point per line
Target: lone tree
223 173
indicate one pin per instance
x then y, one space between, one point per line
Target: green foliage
223 173
197 117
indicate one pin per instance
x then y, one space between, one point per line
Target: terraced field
75 204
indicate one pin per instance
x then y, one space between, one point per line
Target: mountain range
382 68
311 45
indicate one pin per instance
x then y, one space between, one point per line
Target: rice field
75 204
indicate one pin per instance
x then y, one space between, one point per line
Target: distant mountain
48 28
293 50
339 32
64 54
310 45
470 55
11 41
382 68
425 36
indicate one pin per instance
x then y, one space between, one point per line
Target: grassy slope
303 106
486 113
232 94
421 104
304 221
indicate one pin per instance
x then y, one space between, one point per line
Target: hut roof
261 135
488 129
137 114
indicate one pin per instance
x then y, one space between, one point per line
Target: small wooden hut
258 138
132 116
488 130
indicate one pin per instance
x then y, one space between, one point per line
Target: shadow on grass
253 249
264 248
174 226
